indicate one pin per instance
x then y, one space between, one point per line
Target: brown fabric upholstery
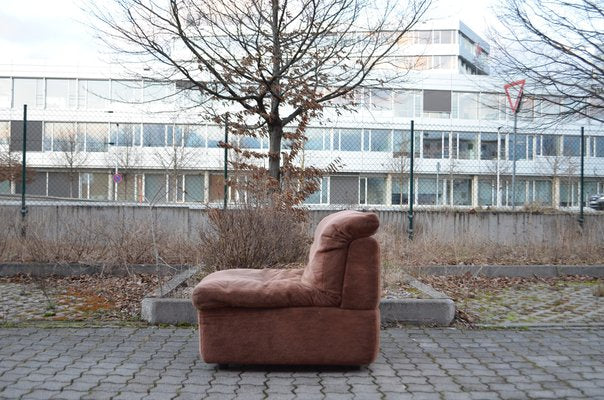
326 313
257 288
362 286
301 335
327 259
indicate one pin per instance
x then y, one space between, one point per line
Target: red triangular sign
513 91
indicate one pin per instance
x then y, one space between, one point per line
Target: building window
215 136
429 191
406 102
321 196
547 145
571 146
154 135
347 140
92 137
435 144
464 145
376 140
4 132
467 105
159 92
61 93
437 103
5 92
381 99
400 190
598 146
250 142
344 190
126 135
524 147
155 188
94 186
93 94
372 190
462 191
28 91
487 192
194 188
126 92
315 139
61 136
542 192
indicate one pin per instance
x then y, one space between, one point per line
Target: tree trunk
274 159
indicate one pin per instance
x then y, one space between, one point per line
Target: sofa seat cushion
259 288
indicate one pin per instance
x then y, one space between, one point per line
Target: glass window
489 106
568 193
155 188
378 140
249 142
94 186
376 190
4 132
129 189
486 193
194 188
350 140
314 139
321 196
125 91
403 103
547 145
522 146
599 143
400 190
381 99
423 37
125 134
5 187
520 192
154 135
543 193
467 105
466 145
447 37
93 136
432 144
215 136
427 191
157 91
61 93
93 94
61 136
488 146
28 91
462 192
571 146
5 92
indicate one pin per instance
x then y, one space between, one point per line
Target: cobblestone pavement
414 363
539 303
23 302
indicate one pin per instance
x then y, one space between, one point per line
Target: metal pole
411 194
23 170
514 160
514 153
582 189
498 188
226 160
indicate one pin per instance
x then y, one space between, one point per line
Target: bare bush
253 237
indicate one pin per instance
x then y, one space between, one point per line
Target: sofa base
292 336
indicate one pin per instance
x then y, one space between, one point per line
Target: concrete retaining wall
53 221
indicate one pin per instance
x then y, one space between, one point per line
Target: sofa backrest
362 289
329 251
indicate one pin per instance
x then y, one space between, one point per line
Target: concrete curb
436 309
521 271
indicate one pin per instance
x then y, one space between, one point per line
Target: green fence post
23 171
411 194
582 189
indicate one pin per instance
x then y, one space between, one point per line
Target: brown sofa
324 314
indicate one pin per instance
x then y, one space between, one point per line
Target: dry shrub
253 237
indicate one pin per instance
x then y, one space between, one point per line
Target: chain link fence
128 158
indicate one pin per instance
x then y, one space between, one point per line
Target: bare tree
268 63
11 168
174 160
558 46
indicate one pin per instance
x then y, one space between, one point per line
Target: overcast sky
54 31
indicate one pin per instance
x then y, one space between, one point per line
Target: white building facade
94 136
